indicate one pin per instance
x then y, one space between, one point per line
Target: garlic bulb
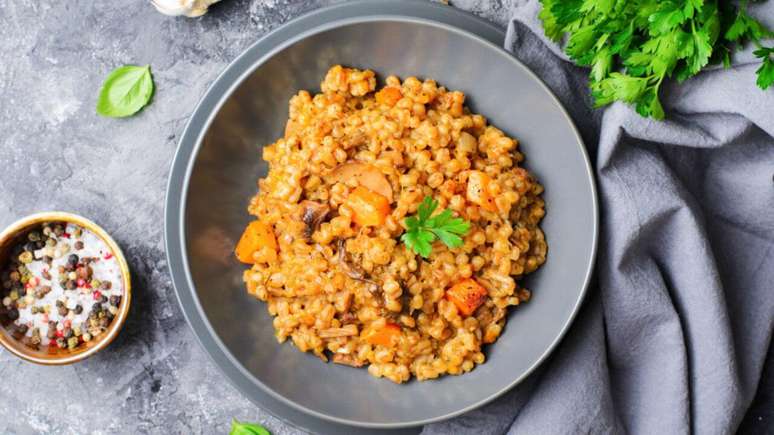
189 8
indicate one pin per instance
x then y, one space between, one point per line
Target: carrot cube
368 207
257 235
467 295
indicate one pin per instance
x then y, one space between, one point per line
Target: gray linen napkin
675 331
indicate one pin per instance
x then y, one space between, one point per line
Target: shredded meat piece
346 331
354 271
347 360
313 214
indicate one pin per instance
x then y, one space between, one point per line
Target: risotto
326 248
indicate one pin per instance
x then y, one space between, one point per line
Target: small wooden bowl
51 355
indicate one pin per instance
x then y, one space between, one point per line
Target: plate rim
190 144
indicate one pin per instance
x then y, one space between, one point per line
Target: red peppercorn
81 282
108 256
66 235
59 333
96 295
52 342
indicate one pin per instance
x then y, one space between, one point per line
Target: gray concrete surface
57 154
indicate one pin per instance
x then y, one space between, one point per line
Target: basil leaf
239 428
126 90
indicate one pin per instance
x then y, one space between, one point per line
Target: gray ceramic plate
216 167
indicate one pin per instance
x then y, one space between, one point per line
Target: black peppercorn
78 245
115 300
67 332
13 314
78 309
72 259
62 310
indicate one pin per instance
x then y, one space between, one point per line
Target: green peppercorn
86 336
95 283
26 257
58 230
61 342
78 231
51 243
72 342
35 339
14 295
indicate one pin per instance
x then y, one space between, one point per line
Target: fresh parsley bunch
632 45
422 230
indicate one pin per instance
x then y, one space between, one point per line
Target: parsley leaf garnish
766 71
422 230
632 46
